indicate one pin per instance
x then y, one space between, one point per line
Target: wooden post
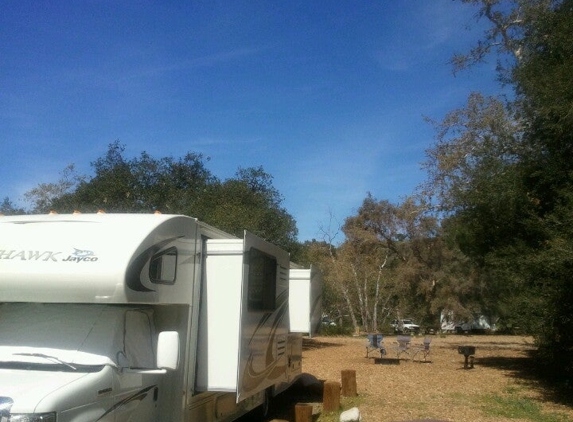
331 396
303 413
349 383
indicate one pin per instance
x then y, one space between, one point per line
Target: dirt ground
440 388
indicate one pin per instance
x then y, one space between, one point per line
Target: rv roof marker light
100 212
157 212
76 212
52 212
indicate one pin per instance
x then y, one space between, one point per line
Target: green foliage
324 255
8 208
141 184
336 330
44 195
516 406
419 271
545 89
249 201
503 174
249 197
392 264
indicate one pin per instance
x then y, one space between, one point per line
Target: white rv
140 318
478 323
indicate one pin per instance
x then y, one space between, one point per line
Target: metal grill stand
468 352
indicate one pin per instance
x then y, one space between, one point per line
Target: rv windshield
74 337
42 362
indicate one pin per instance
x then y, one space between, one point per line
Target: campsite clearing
499 388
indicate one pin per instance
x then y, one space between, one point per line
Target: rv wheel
264 409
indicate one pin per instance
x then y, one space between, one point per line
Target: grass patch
345 404
516 406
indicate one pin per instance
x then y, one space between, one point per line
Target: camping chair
375 343
403 345
423 348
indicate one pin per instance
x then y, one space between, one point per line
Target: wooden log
303 413
331 396
349 383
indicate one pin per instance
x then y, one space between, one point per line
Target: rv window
262 281
163 267
138 340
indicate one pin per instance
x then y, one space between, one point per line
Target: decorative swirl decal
251 377
133 273
138 396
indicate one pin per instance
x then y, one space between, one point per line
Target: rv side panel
305 300
263 358
220 317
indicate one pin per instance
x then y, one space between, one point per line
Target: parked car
405 326
328 322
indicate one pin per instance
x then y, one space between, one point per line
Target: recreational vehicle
125 317
478 323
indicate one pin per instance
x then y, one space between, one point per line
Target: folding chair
403 345
423 348
375 343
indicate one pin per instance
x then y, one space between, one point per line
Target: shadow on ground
284 404
306 390
525 369
312 344
528 370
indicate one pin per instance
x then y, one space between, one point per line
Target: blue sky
328 96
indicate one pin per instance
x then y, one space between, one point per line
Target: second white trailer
305 300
